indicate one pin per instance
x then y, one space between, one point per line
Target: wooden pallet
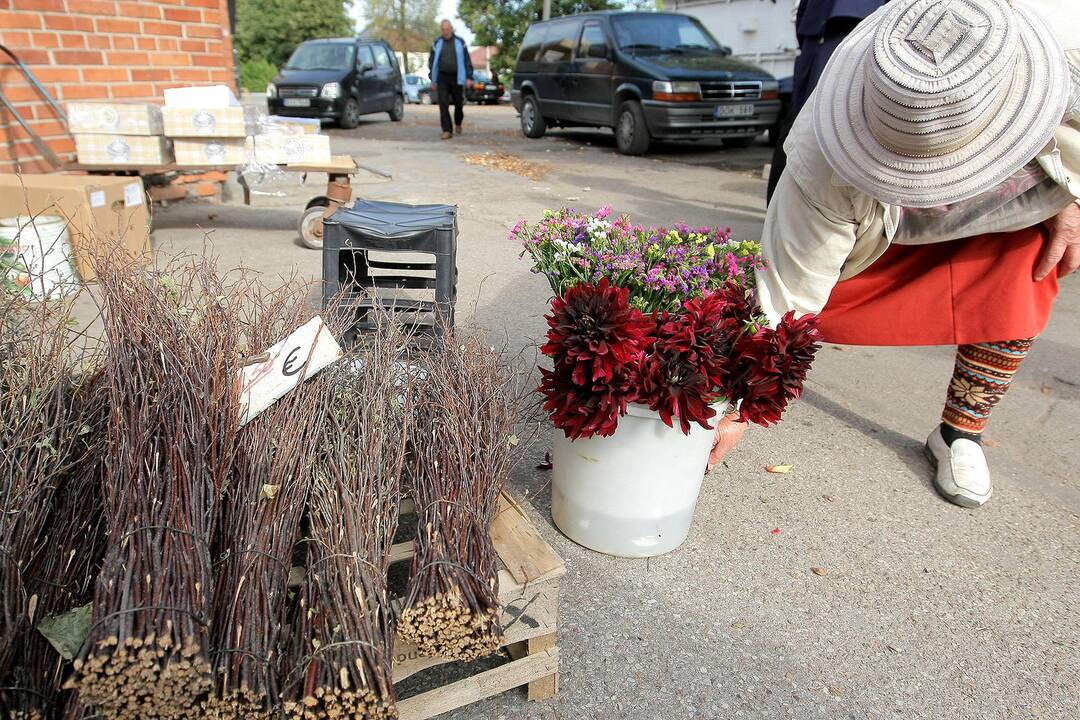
529 577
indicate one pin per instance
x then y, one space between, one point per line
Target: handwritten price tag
309 349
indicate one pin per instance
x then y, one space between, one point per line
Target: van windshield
661 32
322 56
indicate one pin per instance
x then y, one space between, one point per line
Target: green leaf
67 632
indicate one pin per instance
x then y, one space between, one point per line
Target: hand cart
340 170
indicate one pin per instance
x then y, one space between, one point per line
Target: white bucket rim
21 221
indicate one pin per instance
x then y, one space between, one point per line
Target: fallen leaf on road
779 469
835 691
775 531
764 498
738 624
990 442
828 498
572 198
1047 390
507 163
586 189
819 571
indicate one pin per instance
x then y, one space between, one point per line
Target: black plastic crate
402 258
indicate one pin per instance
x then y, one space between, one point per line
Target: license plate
492 87
726 111
297 102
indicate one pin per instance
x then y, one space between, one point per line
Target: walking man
451 69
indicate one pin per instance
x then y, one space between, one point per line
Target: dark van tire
533 124
631 131
398 111
350 115
742 142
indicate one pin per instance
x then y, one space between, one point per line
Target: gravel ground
925 611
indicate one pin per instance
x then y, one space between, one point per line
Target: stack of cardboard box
207 126
118 133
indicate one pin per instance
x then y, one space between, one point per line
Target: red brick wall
103 49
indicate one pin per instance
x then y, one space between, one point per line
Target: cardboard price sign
309 349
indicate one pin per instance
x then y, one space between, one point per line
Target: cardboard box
201 152
294 149
104 213
279 125
200 96
123 150
205 122
114 118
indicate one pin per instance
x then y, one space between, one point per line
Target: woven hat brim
1020 129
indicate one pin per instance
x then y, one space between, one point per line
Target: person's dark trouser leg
779 160
459 102
445 93
980 379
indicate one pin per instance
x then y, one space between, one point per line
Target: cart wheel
311 229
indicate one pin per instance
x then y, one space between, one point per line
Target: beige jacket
819 230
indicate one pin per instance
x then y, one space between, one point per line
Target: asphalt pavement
924 610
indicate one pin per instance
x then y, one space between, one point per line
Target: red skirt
950 293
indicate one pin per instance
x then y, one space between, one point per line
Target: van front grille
724 90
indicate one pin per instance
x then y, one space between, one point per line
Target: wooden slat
522 549
480 686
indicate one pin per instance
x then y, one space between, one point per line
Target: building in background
104 50
759 31
482 56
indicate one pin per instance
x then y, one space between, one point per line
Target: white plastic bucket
632 494
35 256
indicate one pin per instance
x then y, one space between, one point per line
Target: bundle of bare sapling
262 508
343 648
48 416
462 448
171 368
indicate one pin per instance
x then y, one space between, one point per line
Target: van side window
364 57
559 44
530 45
591 36
382 58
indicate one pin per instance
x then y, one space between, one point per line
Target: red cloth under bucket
949 293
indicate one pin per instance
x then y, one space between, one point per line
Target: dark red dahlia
585 410
771 366
676 389
593 330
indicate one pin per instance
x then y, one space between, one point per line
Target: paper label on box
133 194
97 198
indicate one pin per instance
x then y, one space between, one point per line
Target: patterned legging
981 377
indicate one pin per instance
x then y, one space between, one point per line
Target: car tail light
676 91
770 91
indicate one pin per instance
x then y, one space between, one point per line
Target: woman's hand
1063 249
728 433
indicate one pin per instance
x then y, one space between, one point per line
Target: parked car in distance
645 75
486 88
428 95
414 85
338 79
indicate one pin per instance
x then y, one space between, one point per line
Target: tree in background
271 29
503 23
408 25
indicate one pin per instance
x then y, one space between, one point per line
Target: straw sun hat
929 102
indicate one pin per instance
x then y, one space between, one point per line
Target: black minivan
646 75
338 79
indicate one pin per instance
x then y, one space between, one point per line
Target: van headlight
271 90
770 90
331 90
678 91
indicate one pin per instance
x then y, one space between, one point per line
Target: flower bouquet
652 331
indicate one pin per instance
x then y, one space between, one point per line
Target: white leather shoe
962 476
